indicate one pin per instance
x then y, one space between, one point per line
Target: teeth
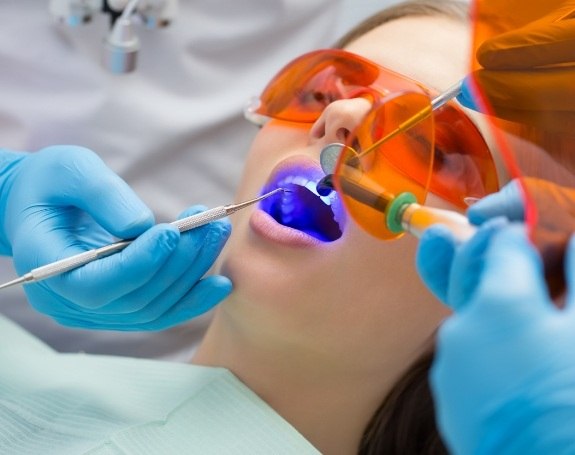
302 181
287 207
289 201
337 215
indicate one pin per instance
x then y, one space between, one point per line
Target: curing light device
403 214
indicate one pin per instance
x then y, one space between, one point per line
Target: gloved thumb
507 202
434 257
469 263
512 272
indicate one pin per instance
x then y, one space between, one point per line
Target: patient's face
354 295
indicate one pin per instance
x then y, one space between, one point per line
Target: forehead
433 50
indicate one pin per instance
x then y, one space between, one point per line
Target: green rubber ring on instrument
393 215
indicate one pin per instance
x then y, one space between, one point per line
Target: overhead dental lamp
121 46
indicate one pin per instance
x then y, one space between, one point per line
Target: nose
338 120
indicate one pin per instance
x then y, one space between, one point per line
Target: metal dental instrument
330 154
185 224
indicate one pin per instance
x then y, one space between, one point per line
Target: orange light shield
369 178
524 78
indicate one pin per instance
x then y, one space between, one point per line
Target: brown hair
405 421
404 424
454 9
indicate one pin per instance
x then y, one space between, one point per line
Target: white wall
353 11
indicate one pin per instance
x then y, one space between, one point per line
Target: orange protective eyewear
443 153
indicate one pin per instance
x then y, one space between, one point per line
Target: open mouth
302 208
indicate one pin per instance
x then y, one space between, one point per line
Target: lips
302 209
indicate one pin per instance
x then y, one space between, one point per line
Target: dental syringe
183 225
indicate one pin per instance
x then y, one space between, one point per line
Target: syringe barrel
416 218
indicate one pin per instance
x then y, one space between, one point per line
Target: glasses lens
463 167
303 88
387 160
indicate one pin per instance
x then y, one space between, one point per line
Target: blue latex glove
437 246
555 207
504 375
63 200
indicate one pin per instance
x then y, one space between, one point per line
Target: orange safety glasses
443 153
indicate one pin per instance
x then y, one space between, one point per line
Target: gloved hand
63 200
503 379
542 33
556 222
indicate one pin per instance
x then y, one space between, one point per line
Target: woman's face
357 298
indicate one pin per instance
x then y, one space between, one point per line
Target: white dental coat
173 129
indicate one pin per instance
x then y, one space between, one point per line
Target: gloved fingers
87 183
511 255
177 278
207 293
47 302
98 283
196 253
152 294
434 257
546 41
192 278
468 265
508 202
82 291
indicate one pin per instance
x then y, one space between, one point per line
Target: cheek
273 143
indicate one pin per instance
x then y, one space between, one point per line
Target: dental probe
183 225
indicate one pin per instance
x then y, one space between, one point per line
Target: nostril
342 134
